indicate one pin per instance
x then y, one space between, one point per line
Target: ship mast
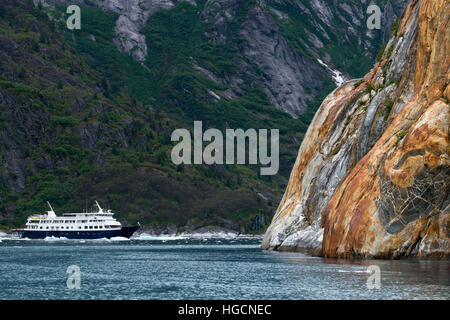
100 210
51 213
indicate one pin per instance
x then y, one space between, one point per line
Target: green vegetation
106 136
388 103
369 88
381 52
298 28
396 26
400 136
93 123
357 84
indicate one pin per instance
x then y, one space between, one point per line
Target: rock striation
372 175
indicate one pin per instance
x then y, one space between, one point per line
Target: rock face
372 174
133 15
284 62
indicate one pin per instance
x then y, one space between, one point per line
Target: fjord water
203 269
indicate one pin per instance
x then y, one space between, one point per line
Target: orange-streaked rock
372 175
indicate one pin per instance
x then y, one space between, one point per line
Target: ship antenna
100 210
50 213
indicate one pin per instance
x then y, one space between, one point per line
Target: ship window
95 227
85 227
90 227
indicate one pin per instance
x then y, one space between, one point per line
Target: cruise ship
87 225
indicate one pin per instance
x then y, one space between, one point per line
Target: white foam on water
354 271
119 239
101 239
52 238
6 236
12 238
196 236
211 235
146 236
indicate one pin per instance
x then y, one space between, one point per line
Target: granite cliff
372 174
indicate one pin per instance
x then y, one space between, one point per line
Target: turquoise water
203 269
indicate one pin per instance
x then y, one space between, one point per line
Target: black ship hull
125 232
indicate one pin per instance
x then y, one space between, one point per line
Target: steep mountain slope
271 44
372 175
87 114
69 136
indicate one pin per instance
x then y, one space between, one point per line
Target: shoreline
207 235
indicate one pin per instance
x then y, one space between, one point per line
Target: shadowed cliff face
372 174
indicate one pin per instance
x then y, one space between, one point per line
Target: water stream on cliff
203 269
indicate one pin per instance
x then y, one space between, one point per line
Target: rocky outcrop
372 174
291 80
133 16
